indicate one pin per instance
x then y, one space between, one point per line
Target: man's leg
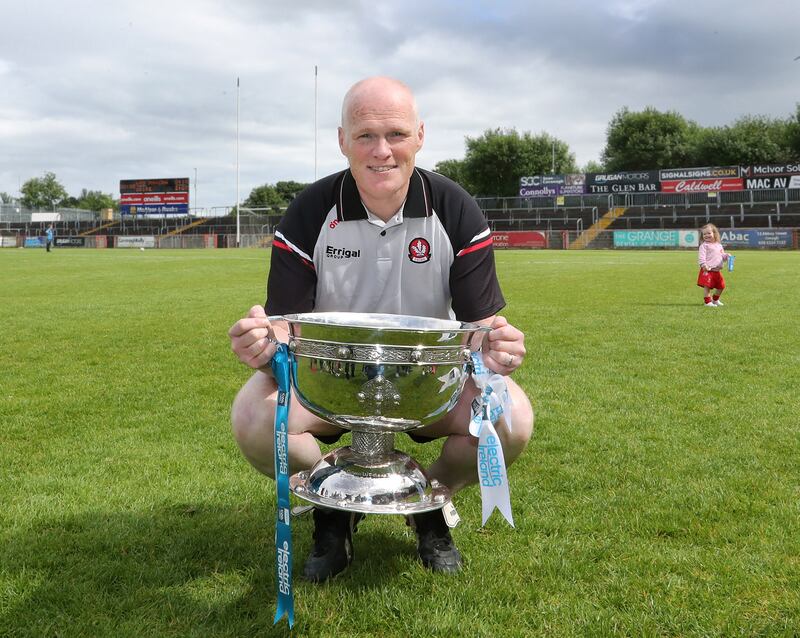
457 467
253 420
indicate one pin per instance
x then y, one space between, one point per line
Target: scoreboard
166 196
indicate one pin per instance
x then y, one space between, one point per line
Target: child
711 256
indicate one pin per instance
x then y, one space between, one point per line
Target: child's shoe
710 304
718 302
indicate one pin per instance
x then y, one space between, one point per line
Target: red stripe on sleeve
472 249
276 243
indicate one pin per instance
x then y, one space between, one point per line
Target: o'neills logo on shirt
419 250
341 253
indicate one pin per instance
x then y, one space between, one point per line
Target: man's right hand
253 338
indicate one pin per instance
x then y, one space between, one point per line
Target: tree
749 140
592 167
454 169
648 139
269 196
264 196
496 160
95 200
5 198
289 190
44 192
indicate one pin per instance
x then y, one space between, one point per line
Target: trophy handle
271 331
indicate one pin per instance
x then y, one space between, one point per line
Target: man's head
380 135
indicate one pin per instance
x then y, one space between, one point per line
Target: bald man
382 236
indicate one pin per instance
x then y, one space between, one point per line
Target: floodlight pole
315 122
238 232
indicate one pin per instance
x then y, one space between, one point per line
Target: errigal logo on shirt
341 253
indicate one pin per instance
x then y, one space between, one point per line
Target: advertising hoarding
753 238
519 239
164 196
622 182
656 238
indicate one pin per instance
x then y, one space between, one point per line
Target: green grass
659 496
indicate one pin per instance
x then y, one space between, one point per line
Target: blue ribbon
493 402
281 368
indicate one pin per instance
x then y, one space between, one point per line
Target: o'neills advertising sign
701 185
764 176
622 182
519 239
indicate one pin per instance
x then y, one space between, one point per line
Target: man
49 234
382 236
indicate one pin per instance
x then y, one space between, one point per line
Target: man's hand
504 348
253 338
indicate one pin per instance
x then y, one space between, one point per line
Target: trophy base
386 483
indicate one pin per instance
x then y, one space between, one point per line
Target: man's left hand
504 348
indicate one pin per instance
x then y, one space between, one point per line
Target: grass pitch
658 497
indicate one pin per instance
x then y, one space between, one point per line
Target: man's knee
522 418
251 412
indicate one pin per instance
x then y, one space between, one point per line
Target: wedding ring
510 360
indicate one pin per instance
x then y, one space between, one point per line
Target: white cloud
134 89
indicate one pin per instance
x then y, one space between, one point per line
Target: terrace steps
585 238
93 231
182 229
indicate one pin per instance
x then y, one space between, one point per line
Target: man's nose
382 147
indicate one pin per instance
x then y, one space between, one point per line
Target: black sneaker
434 543
333 544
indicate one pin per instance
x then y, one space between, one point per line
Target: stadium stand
570 217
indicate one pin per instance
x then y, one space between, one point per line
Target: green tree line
48 193
643 140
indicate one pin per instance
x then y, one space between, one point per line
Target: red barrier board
519 239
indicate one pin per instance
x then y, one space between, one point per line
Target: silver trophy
377 375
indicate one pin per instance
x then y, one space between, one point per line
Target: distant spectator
49 233
711 256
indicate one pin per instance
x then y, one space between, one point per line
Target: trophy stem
372 444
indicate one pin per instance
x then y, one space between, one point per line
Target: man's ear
341 140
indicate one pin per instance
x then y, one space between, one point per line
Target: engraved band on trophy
376 375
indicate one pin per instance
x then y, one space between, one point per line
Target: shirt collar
350 208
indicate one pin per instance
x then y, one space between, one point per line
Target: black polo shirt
433 259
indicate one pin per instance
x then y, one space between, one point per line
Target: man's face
380 138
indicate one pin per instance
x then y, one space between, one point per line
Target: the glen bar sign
167 196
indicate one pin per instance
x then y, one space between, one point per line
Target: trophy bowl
377 375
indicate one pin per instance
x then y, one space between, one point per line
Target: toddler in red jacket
711 256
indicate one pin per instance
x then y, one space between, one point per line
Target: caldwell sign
701 185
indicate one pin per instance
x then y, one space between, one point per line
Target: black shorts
330 439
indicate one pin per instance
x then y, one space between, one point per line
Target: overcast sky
101 91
